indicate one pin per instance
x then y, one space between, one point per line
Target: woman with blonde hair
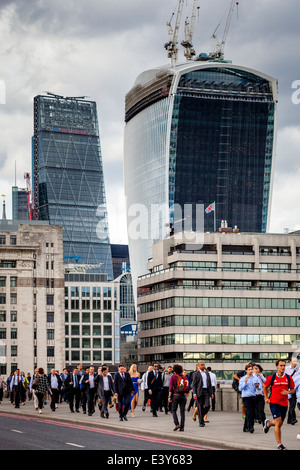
135 377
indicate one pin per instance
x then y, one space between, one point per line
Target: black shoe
181 429
252 430
72 411
77 411
121 419
125 418
266 427
143 408
281 447
107 415
155 415
202 425
90 414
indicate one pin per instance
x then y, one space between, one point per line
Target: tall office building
68 181
197 133
19 204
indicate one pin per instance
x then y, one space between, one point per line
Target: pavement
224 431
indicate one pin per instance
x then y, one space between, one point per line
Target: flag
210 208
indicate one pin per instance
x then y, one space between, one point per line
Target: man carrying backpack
178 389
282 385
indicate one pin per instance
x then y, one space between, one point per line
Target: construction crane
219 46
29 195
189 32
171 46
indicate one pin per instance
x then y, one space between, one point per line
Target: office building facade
32 329
231 300
195 134
20 209
68 180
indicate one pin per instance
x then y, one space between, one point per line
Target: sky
97 48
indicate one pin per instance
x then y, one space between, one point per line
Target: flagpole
215 216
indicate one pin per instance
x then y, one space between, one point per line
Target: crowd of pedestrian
164 390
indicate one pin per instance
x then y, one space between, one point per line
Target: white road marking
75 445
16 430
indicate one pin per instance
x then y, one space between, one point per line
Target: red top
280 384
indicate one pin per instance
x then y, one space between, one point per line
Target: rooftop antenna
4 210
189 32
219 46
171 46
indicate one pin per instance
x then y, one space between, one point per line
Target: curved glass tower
197 133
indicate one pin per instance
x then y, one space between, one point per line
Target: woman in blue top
248 386
135 377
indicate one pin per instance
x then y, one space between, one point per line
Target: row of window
235 266
219 302
90 292
12 238
87 304
219 320
88 356
12 281
221 339
13 298
88 317
88 330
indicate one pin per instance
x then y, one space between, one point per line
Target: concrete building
92 317
231 300
32 330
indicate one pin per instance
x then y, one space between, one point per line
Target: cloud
97 49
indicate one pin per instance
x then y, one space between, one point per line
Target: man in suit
202 391
155 386
123 388
104 391
89 382
15 387
72 387
55 384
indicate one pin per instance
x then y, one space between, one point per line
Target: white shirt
204 378
105 383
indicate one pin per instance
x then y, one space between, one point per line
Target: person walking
2 388
260 415
144 387
281 385
123 388
42 388
135 377
104 391
32 391
166 378
55 383
72 388
89 381
179 387
154 388
292 369
248 385
16 385
202 391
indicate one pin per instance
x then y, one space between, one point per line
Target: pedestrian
155 386
42 388
235 384
123 389
202 391
213 379
104 391
292 369
2 388
55 383
260 415
8 382
248 385
166 378
72 388
89 380
192 401
144 387
135 377
281 385
32 391
16 385
179 387
83 388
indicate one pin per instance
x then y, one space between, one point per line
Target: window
50 299
50 351
50 317
107 331
13 240
14 351
13 282
2 298
13 299
2 239
13 333
2 315
2 281
2 333
13 316
50 334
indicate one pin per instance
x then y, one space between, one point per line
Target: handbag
35 383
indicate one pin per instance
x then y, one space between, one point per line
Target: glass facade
68 181
195 134
19 204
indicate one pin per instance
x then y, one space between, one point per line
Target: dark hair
104 368
279 360
41 370
177 369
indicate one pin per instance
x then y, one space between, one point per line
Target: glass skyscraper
197 133
68 181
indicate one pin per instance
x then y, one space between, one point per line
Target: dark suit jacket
123 386
58 380
69 379
198 383
154 384
86 386
100 385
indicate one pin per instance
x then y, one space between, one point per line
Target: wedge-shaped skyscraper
68 181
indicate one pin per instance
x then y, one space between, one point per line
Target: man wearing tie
73 388
202 391
123 388
155 386
89 381
15 387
